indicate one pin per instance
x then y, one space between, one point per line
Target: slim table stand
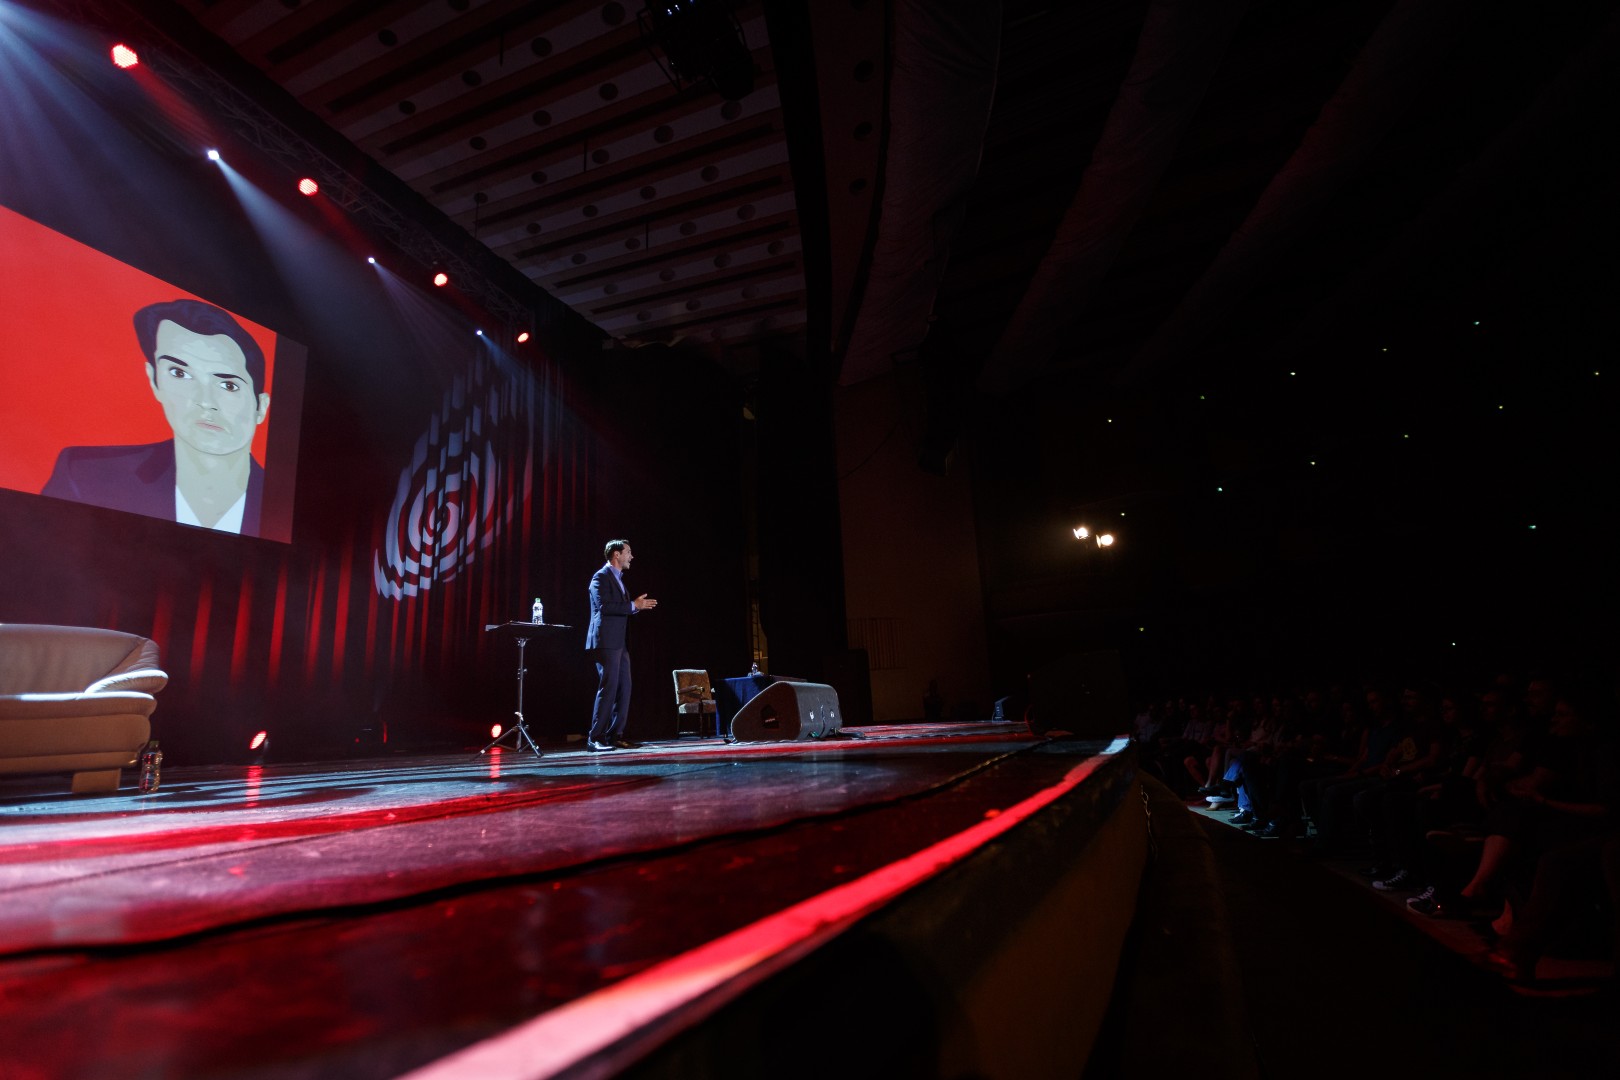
518 732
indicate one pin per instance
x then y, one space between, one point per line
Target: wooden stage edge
909 901
996 949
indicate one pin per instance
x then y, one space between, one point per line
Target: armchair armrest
57 706
145 680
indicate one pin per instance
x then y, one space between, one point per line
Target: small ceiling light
372 259
306 186
521 338
703 42
124 56
213 155
1106 540
480 333
441 279
1081 533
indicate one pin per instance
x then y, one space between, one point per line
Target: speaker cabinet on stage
788 712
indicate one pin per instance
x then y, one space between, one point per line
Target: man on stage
611 608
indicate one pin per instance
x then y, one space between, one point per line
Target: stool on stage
520 632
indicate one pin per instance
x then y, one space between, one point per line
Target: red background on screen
73 373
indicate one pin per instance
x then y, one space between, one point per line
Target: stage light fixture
213 155
703 42
259 740
372 259
441 279
495 731
306 186
521 338
124 56
480 333
1101 540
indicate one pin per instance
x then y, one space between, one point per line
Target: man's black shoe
594 746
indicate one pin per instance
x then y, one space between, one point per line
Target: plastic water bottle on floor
151 765
539 611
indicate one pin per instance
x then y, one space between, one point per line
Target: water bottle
151 762
539 612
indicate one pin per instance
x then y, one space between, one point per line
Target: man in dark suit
207 374
605 639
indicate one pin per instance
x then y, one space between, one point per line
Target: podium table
520 632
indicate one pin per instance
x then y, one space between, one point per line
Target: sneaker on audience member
1243 817
1394 881
1218 801
1426 902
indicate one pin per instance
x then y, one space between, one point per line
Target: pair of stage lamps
1100 539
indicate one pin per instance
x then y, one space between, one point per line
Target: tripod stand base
519 734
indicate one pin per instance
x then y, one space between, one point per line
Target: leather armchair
75 699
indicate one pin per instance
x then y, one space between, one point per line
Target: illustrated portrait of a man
208 375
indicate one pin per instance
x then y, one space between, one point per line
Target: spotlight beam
276 140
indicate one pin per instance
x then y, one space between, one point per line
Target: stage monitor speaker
788 712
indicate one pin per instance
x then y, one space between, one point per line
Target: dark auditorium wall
911 558
328 641
1440 510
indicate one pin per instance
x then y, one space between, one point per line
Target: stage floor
367 918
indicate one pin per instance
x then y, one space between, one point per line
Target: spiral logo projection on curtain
454 498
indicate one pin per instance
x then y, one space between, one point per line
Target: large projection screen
191 432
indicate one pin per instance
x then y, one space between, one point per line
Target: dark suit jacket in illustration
611 608
136 479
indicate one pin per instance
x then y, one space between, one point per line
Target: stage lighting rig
124 56
1101 540
703 42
